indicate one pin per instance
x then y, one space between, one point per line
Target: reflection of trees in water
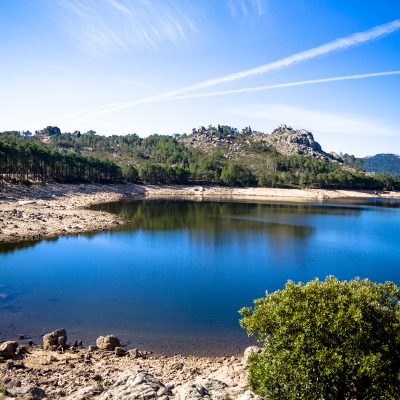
6 248
211 221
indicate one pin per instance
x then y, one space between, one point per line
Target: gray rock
86 392
55 340
34 392
128 386
203 389
8 349
119 351
289 141
250 350
109 342
134 353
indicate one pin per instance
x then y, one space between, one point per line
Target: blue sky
166 66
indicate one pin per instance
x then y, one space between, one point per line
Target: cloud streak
282 85
96 111
330 47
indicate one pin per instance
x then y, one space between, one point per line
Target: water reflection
173 279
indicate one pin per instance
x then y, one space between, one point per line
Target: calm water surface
173 279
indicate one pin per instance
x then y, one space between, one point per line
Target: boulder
250 350
8 349
232 374
55 340
87 392
134 353
204 389
30 392
129 387
109 342
119 351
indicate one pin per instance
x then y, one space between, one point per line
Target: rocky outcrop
289 141
144 386
109 342
284 139
55 340
140 386
8 349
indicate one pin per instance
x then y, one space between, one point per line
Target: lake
174 278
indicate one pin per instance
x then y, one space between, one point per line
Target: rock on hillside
289 141
284 139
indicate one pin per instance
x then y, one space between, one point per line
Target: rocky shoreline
29 213
108 371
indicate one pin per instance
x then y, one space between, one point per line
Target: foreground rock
8 349
72 375
109 342
140 386
145 386
55 340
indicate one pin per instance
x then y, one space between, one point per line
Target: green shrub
326 340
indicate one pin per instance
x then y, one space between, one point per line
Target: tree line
22 160
162 159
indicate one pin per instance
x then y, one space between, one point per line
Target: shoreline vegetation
35 212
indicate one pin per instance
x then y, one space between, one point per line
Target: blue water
173 279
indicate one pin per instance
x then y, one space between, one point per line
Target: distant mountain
383 163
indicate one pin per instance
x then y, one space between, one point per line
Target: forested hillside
383 163
220 155
23 159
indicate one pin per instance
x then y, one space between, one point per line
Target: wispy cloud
315 120
241 9
113 25
330 47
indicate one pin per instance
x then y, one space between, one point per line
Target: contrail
157 99
338 44
280 85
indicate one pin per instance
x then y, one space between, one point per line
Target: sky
167 66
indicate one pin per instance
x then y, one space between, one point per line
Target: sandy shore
38 212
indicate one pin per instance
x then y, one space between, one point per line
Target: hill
383 163
215 155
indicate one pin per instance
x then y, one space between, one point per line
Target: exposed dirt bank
38 212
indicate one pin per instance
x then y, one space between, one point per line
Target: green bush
326 340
